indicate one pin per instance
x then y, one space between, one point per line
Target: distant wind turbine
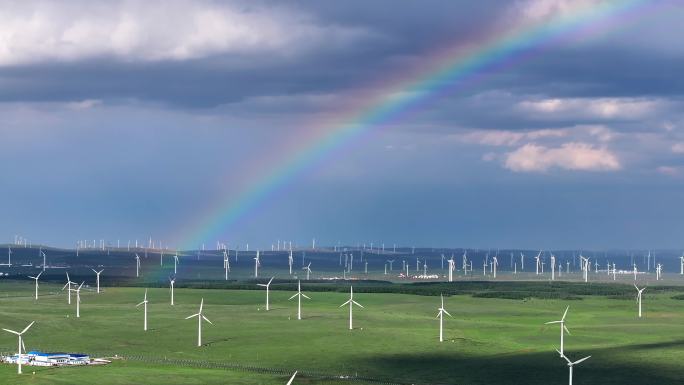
144 302
78 300
200 316
267 286
299 296
308 270
351 304
256 265
639 291
137 265
68 285
171 282
36 279
440 315
97 279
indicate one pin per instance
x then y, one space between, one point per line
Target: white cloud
35 31
509 138
678 148
84 104
601 108
569 156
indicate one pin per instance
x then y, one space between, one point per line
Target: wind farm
325 193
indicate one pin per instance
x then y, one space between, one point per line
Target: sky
137 119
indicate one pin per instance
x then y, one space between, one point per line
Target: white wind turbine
172 281
563 329
137 265
36 279
659 271
78 300
299 296
291 379
98 278
175 263
290 260
451 269
495 263
351 304
522 262
20 343
553 267
68 284
538 262
681 265
639 291
200 317
226 263
440 315
571 364
256 265
308 270
144 302
267 286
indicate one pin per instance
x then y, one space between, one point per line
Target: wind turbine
563 329
308 270
571 364
299 296
20 343
495 263
538 262
137 265
175 263
290 260
256 265
291 379
681 265
267 286
639 291
9 256
440 315
226 263
351 304
68 284
98 278
171 282
200 317
36 278
78 300
451 269
553 267
144 302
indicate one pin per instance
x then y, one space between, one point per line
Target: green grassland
489 340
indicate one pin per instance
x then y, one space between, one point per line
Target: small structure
36 358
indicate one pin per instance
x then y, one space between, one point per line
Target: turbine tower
256 265
68 284
351 304
200 317
78 300
137 265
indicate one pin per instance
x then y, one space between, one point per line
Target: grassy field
489 340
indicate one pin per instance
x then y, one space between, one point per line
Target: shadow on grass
526 368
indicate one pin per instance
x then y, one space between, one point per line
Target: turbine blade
346 303
293 296
583 359
566 330
191 316
206 319
305 296
291 379
11 331
140 303
447 313
565 313
357 304
552 322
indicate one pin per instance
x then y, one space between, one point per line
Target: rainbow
439 73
